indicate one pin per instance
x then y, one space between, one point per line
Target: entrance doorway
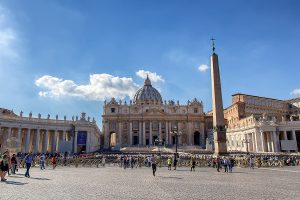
197 138
135 140
112 139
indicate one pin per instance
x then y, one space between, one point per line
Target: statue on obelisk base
217 104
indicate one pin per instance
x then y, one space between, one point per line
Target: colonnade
34 140
260 141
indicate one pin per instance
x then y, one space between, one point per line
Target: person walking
153 163
42 162
53 160
14 164
103 161
218 163
251 161
169 162
175 161
4 168
225 164
193 164
28 162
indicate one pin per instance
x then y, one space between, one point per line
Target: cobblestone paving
117 183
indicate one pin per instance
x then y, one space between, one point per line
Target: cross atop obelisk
217 104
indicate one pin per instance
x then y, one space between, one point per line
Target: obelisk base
220 143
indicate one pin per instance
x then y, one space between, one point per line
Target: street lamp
176 133
158 141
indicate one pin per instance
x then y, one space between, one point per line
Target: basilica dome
147 94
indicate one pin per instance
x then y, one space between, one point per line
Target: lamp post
176 133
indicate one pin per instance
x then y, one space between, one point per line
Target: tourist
251 162
28 162
193 164
231 164
218 163
169 162
103 161
225 164
153 163
42 162
53 160
175 162
4 168
14 164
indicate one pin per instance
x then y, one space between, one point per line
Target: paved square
117 183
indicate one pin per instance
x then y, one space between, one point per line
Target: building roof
257 96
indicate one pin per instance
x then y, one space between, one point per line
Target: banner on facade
288 145
81 137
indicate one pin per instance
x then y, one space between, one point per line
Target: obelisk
217 104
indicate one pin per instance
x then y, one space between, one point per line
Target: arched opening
112 139
197 138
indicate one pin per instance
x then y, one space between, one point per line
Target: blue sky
65 57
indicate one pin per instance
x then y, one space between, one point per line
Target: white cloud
100 87
203 68
8 37
152 75
295 92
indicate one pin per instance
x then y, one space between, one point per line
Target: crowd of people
9 164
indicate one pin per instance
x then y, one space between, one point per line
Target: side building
147 120
39 135
260 124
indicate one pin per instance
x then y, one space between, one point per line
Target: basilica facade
147 120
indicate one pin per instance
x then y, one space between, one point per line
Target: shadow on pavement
42 179
15 183
172 177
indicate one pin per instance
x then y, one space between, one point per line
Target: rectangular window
112 110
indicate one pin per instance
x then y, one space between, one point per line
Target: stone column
268 142
140 133
262 141
88 144
170 135
120 134
150 134
167 133
275 141
284 135
190 133
144 134
19 139
54 141
9 132
295 139
75 142
27 142
159 130
130 133
64 135
45 141
253 142
256 141
106 135
37 141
